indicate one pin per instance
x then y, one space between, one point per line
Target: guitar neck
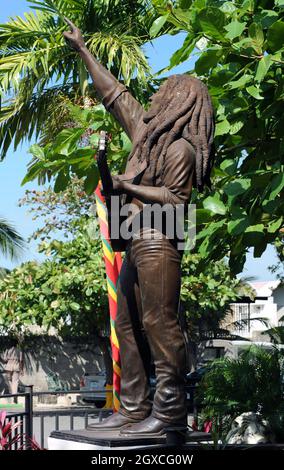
103 166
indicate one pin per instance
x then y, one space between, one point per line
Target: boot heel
176 435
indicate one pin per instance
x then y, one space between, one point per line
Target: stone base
111 440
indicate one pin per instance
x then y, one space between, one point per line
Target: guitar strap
134 176
131 175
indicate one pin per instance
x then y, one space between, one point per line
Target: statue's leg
134 353
158 265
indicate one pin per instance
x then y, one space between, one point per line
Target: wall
49 356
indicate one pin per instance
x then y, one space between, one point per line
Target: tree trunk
105 346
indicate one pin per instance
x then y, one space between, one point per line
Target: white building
268 304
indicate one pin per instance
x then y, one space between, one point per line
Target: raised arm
127 110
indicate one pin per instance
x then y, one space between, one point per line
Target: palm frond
35 57
11 243
276 334
38 116
246 322
3 272
108 47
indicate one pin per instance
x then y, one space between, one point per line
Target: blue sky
13 169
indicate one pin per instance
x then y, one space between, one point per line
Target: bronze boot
114 422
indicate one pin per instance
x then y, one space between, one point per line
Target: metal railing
72 412
26 418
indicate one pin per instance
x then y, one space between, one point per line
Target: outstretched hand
74 37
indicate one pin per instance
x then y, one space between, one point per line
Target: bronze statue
172 152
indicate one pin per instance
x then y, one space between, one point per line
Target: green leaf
237 187
203 216
275 36
75 306
235 29
253 91
256 34
229 166
274 225
99 112
255 228
254 235
94 140
33 172
212 22
61 181
157 25
207 60
241 82
185 4
83 77
277 184
126 143
222 128
66 140
228 7
235 127
236 263
266 17
92 180
37 151
248 5
263 67
184 52
214 204
260 248
238 226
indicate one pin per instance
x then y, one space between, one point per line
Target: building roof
264 288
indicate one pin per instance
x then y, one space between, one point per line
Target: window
242 317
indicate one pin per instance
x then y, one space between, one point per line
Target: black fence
23 420
23 435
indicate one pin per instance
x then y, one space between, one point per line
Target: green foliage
37 68
241 60
276 334
250 383
59 213
73 150
67 291
11 242
278 268
207 291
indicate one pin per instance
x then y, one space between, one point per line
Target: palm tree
276 334
38 70
11 243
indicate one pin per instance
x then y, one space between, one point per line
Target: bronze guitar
115 219
117 243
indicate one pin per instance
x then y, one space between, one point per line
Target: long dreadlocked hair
186 112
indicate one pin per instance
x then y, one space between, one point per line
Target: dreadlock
187 112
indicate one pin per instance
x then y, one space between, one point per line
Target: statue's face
157 101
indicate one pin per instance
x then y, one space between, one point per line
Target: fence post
29 410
